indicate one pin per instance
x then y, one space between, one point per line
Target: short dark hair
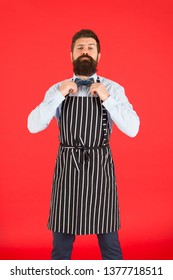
85 33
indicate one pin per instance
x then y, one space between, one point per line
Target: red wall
136 47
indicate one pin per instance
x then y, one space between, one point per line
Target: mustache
84 56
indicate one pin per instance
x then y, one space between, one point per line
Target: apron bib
84 193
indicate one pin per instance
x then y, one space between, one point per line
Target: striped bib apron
84 193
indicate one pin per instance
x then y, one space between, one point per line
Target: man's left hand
100 89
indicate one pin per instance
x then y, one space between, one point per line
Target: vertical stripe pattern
84 193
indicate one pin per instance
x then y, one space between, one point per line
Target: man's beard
85 67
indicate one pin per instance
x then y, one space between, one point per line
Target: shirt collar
94 76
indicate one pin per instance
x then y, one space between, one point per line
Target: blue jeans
109 246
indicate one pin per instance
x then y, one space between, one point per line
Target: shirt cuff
53 96
60 96
109 103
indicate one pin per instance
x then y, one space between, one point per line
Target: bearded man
84 192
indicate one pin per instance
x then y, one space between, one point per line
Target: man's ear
99 55
71 56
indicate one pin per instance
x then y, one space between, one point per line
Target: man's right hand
67 87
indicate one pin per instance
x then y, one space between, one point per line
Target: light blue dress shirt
120 111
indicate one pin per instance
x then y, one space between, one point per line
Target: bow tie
80 82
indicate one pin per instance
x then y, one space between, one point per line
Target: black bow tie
87 82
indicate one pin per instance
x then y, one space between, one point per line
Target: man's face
85 56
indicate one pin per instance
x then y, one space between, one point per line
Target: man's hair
85 33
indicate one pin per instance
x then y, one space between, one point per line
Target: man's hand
100 89
67 87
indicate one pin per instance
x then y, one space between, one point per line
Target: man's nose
85 51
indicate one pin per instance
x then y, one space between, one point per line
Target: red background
136 48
